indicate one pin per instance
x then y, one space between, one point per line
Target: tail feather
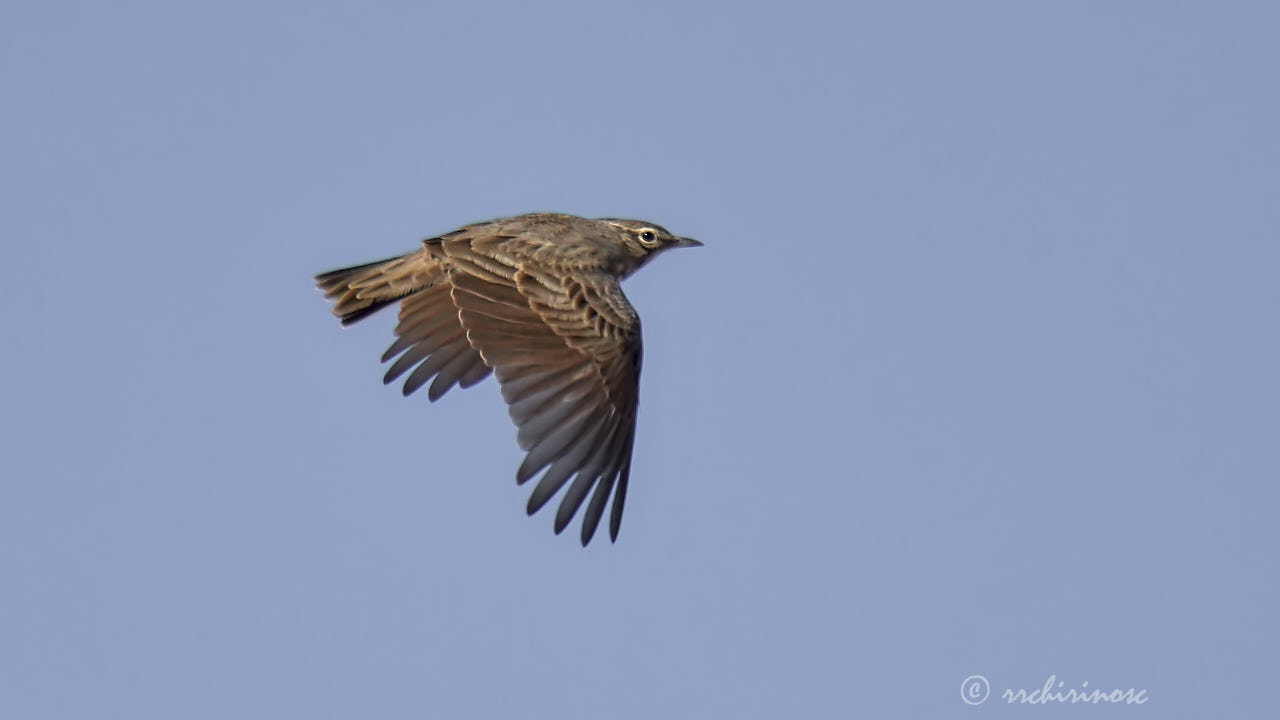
361 290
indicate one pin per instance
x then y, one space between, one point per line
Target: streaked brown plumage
536 300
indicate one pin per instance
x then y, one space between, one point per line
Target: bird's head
643 240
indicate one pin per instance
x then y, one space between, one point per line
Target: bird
535 300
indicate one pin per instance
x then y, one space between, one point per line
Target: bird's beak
687 242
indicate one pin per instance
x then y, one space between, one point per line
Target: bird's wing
567 351
430 340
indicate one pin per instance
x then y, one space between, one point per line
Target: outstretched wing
567 352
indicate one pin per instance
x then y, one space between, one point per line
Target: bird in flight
534 299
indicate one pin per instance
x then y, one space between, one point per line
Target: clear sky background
976 374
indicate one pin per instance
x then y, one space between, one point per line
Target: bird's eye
648 237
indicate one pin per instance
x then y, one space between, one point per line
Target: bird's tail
362 290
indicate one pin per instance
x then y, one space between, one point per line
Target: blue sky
976 374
